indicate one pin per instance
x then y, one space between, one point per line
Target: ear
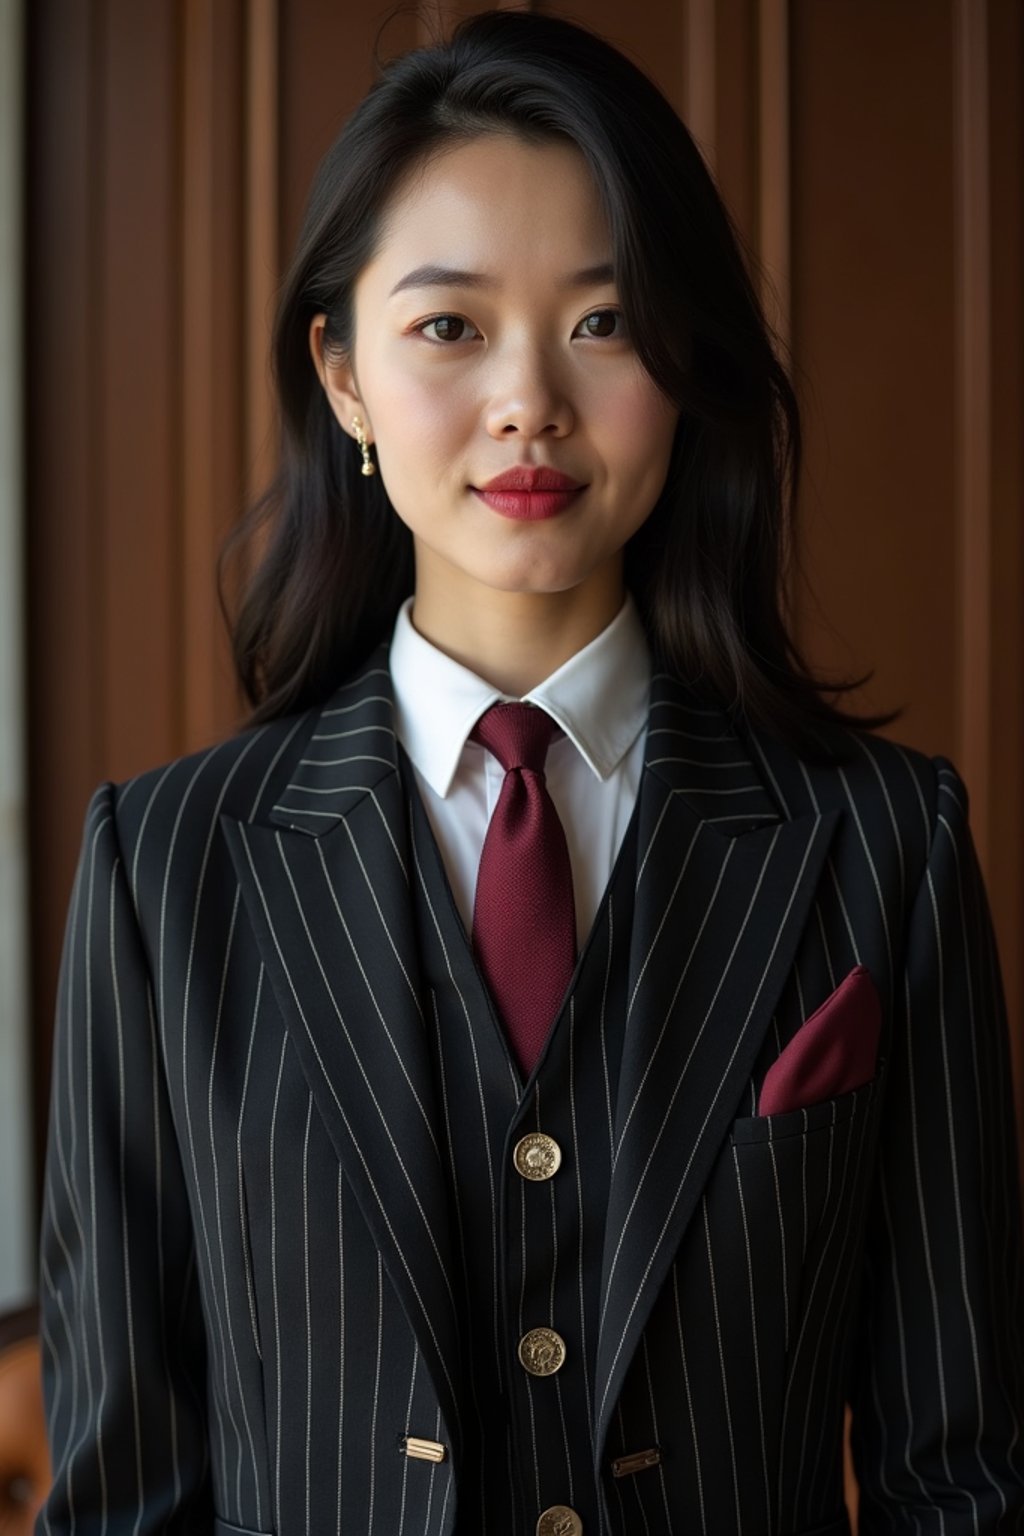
339 382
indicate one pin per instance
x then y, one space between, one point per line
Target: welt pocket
813 1120
225 1528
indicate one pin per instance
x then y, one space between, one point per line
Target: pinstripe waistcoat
527 1253
251 1268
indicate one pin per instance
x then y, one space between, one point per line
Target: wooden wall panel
210 383
135 387
65 691
972 399
653 36
774 165
326 66
260 237
63 337
135 383
873 300
1004 851
906 315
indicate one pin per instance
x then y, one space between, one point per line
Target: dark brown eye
446 327
602 322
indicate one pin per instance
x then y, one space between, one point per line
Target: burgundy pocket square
833 1052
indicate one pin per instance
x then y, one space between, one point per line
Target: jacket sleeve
938 1389
123 1341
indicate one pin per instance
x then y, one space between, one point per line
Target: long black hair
708 567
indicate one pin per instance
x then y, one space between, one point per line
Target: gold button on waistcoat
537 1156
541 1351
559 1520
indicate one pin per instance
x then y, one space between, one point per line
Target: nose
529 400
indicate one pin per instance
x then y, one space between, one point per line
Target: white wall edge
17 1261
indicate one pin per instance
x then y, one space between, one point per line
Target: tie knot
516 734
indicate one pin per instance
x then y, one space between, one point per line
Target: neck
514 640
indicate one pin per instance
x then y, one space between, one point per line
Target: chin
538 584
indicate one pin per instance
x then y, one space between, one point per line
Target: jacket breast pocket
806 1169
799 1182
827 1115
770 1267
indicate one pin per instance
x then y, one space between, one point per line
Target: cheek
638 420
419 419
421 425
412 389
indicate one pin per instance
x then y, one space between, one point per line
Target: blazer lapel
724 888
326 887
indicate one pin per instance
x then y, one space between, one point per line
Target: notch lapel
326 887
724 887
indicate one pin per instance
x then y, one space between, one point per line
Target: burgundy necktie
524 924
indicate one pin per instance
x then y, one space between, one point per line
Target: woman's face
527 363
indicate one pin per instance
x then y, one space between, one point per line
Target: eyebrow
434 276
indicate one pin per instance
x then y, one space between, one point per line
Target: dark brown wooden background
873 155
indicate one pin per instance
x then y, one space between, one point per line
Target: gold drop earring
369 467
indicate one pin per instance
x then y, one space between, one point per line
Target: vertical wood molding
17 1245
65 696
197 372
262 223
212 237
973 404
699 104
774 164
1005 869
136 391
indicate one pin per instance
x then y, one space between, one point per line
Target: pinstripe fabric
251 1271
527 1253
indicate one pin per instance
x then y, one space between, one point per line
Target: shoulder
177 805
890 796
172 812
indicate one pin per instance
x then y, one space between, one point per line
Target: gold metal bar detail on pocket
638 1461
424 1450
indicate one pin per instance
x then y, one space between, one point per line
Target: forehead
495 203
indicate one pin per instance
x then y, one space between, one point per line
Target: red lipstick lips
529 492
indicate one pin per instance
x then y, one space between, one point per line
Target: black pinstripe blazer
246 1252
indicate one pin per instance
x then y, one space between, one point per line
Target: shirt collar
599 697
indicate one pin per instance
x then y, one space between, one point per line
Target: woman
553 1060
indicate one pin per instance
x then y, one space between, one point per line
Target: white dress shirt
599 697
